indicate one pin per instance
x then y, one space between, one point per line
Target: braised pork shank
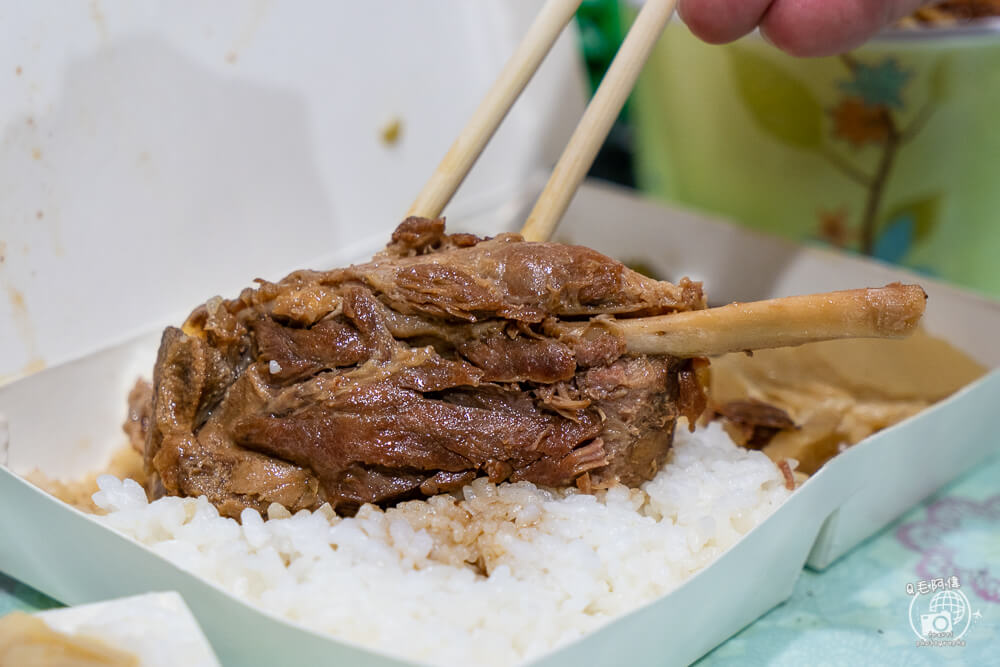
445 358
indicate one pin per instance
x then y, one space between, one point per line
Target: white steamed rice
411 579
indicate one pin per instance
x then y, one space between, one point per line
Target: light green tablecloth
857 611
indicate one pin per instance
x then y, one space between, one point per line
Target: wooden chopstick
597 120
493 108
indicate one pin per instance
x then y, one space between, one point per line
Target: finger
825 27
721 21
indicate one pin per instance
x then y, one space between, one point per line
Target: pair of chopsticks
586 140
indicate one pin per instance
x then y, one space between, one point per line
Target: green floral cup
892 150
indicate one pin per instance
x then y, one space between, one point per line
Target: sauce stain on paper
25 330
97 16
248 30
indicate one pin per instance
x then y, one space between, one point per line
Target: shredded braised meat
441 360
752 423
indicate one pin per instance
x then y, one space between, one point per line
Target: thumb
826 27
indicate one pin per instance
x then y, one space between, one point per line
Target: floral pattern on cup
867 113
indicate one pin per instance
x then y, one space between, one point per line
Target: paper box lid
153 151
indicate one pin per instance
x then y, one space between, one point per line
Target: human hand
800 27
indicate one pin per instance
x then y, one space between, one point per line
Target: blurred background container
892 150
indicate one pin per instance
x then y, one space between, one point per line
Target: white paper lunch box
64 419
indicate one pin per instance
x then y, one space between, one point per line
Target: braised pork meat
445 358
